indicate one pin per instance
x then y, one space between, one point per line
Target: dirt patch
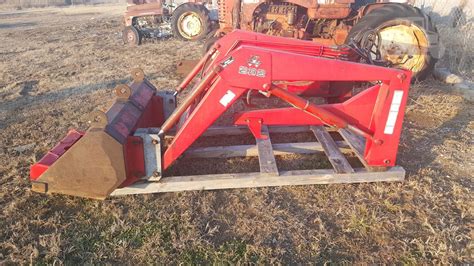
57 71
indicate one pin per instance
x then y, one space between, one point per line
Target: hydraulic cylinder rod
195 71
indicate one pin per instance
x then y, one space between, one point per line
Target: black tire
131 36
196 10
400 14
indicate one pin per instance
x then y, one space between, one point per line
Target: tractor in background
156 19
386 33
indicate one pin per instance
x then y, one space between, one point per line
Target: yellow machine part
405 46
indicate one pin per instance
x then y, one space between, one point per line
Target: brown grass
59 64
458 43
22 4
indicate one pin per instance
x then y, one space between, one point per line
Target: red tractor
160 19
381 32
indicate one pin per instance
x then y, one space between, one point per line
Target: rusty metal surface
148 9
324 9
92 168
332 11
339 37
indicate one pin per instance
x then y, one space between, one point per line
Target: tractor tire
191 22
131 36
409 40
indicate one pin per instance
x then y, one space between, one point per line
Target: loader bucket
92 164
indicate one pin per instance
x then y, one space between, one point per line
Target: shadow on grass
26 101
417 152
17 25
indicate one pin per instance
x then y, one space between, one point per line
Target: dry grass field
58 65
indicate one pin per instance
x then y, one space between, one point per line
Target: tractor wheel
191 22
131 36
400 35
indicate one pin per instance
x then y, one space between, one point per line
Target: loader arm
235 77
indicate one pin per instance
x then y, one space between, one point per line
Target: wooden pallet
269 174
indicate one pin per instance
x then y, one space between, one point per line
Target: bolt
402 76
378 141
154 141
386 161
266 86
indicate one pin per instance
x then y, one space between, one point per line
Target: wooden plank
266 158
337 160
357 144
226 130
251 180
242 130
251 150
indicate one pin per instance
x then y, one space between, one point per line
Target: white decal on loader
393 113
227 98
255 72
227 62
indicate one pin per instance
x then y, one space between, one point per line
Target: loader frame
126 151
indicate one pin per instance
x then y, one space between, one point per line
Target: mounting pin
137 75
123 91
402 76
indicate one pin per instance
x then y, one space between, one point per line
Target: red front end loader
124 151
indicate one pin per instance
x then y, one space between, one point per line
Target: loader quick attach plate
270 175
